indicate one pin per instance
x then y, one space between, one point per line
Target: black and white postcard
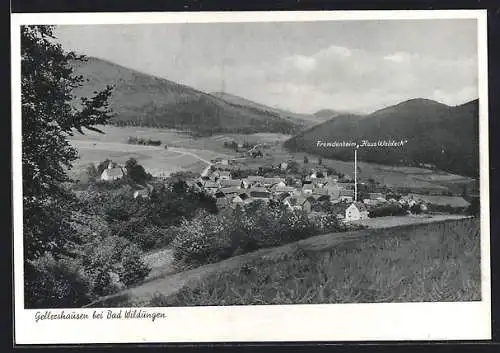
250 176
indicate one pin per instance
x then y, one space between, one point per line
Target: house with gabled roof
112 173
259 193
281 189
356 211
231 183
223 192
253 180
297 203
346 195
333 190
320 194
267 182
211 186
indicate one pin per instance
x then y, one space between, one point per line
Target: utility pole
355 174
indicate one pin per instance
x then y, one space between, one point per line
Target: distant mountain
302 119
437 134
141 99
327 113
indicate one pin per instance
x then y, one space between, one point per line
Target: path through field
153 158
166 283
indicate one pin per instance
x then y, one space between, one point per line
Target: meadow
424 263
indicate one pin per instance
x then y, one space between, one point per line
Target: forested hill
141 99
437 134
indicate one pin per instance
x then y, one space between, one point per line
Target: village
316 190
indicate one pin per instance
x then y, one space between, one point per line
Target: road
186 152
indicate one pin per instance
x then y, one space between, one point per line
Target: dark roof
320 191
231 182
273 180
344 192
255 178
230 190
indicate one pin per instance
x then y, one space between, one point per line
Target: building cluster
297 194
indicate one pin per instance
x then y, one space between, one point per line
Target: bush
387 210
103 284
209 238
201 240
134 270
51 283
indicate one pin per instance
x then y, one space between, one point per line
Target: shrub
209 238
113 254
133 270
103 284
51 283
201 240
387 210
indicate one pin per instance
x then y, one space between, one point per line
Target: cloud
353 79
300 62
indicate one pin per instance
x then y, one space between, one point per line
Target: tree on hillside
136 172
50 113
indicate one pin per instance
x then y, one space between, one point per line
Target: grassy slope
430 127
433 262
428 262
154 101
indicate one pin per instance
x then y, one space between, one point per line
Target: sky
357 66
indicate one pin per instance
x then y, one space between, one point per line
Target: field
435 262
181 155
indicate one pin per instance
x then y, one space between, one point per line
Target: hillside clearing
402 257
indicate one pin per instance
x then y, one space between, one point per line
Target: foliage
210 238
387 210
142 141
136 172
49 114
134 270
113 254
50 282
474 208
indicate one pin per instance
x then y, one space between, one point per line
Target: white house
144 193
356 211
111 173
